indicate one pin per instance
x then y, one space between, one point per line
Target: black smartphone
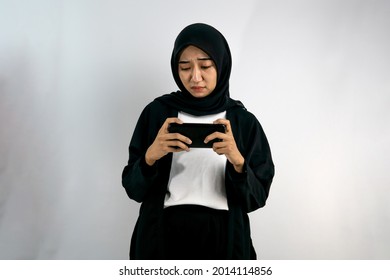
197 132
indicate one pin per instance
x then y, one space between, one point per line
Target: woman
195 201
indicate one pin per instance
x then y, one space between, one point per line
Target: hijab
214 44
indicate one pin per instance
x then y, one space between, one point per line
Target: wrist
239 167
149 161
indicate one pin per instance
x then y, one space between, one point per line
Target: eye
206 66
185 68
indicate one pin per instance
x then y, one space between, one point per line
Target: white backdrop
75 75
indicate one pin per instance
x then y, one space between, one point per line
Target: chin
199 94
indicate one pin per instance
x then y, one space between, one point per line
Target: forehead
192 52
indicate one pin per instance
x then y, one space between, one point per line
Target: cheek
213 80
184 80
182 77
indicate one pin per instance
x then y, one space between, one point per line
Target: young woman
195 200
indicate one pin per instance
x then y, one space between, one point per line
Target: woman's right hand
166 142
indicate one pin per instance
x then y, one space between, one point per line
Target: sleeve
250 189
138 177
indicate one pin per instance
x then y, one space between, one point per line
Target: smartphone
197 132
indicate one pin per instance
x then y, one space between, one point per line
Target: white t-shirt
197 177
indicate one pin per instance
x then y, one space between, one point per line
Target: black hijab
212 42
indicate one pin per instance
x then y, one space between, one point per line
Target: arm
147 147
250 169
137 176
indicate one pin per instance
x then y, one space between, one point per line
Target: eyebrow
201 58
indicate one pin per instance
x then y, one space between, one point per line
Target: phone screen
197 132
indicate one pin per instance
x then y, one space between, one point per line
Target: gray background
75 75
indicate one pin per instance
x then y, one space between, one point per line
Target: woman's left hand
227 146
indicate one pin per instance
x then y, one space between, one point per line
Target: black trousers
194 232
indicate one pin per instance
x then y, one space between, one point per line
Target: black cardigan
245 192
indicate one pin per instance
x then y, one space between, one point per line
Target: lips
197 88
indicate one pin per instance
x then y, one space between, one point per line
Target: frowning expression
197 72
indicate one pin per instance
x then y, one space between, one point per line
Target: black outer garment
245 192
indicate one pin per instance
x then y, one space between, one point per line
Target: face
197 72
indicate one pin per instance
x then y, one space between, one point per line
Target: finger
177 145
216 135
219 150
221 121
219 145
173 120
177 136
168 121
224 122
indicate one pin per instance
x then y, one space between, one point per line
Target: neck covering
213 43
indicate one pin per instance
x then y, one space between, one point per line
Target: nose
196 75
